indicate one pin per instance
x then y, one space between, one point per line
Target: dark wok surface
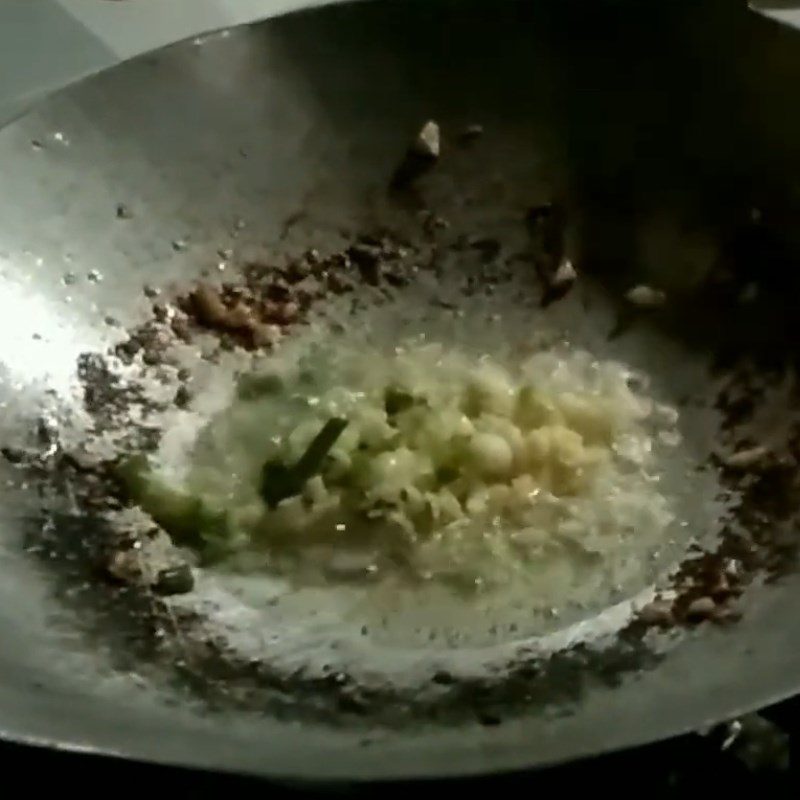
678 112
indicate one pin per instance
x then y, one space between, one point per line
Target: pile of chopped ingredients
426 461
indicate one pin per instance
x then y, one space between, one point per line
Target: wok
669 134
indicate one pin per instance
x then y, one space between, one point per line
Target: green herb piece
279 481
187 519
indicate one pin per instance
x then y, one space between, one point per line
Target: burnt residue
547 230
150 340
212 668
420 157
754 358
759 532
546 225
174 580
256 309
85 554
107 397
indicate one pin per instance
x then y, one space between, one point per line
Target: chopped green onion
279 481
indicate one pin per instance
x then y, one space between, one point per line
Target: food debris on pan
645 296
261 308
421 155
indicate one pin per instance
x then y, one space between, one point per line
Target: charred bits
208 308
547 225
421 155
174 580
367 258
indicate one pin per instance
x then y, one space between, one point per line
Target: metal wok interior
660 127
